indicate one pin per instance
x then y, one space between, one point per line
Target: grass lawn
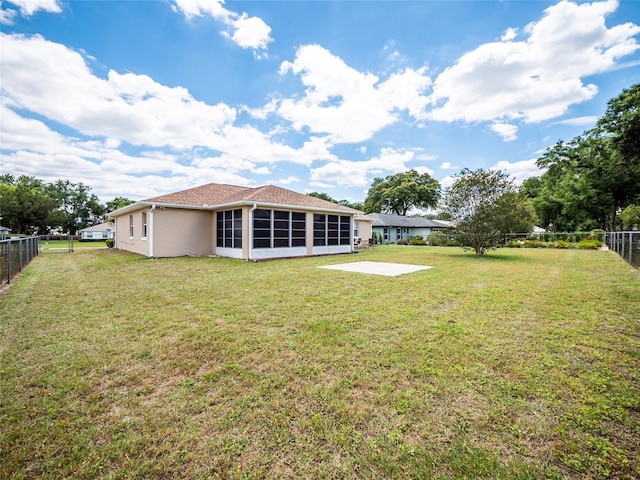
521 364
64 245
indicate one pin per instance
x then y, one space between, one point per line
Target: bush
589 244
417 240
402 242
109 242
562 244
597 234
437 239
537 244
514 244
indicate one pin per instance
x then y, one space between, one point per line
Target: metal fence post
9 262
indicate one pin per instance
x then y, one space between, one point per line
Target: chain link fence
15 254
625 244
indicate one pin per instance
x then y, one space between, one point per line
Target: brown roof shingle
214 194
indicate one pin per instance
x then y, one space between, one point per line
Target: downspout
153 207
250 240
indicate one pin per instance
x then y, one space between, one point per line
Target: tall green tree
400 192
592 177
630 217
329 198
117 203
77 207
25 205
484 205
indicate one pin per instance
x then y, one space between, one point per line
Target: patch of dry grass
523 364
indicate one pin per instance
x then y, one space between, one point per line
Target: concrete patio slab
378 268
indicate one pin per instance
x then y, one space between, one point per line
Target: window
331 229
144 224
278 229
131 226
229 228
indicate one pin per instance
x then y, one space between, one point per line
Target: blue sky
141 98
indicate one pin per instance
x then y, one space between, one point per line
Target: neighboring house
98 232
396 227
4 230
238 222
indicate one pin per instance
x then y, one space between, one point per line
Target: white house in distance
238 222
397 227
102 231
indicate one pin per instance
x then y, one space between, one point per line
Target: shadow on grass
499 255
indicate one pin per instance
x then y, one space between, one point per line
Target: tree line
30 206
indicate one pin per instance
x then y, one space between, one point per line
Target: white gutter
150 233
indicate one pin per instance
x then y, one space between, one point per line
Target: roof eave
220 206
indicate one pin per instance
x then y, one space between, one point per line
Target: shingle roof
214 194
389 220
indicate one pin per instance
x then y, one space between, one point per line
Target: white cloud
50 79
422 170
586 121
540 77
509 35
27 8
56 82
448 166
348 173
519 171
245 31
344 103
447 181
505 130
288 181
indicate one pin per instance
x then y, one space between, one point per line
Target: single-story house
4 230
397 227
238 222
102 231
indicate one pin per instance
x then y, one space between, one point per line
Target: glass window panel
298 242
281 242
260 213
281 233
262 224
298 216
280 215
281 224
262 233
262 243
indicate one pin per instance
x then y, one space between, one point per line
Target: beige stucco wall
135 243
365 231
178 232
174 232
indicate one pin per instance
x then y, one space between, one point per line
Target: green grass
520 364
56 245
